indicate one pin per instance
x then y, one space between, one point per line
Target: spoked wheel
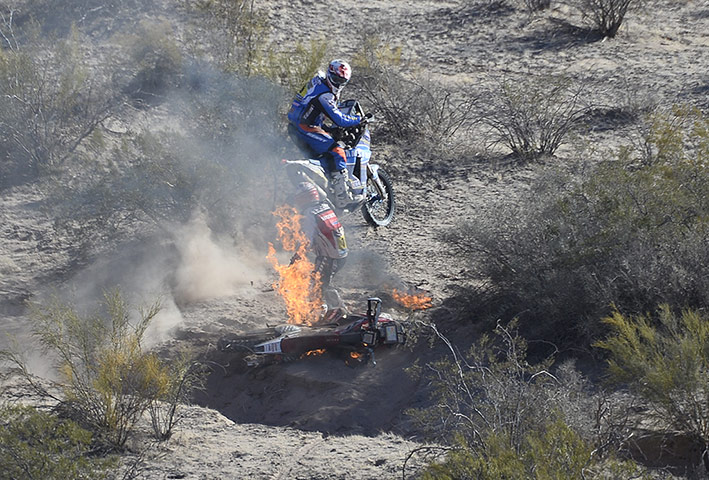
379 208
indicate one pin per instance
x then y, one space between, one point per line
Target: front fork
374 176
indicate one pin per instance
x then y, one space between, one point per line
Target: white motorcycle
378 203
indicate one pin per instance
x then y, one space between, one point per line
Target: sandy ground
320 418
242 450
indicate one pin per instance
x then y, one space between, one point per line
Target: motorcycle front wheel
380 207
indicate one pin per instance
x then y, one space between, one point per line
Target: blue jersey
315 102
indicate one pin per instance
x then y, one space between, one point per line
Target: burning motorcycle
379 203
354 336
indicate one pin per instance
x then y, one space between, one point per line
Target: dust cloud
210 268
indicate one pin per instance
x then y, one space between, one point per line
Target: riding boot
343 197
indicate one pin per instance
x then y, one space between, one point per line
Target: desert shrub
496 388
106 378
297 66
664 359
239 30
182 376
533 117
38 445
553 452
161 176
51 100
650 215
156 60
628 230
536 5
58 19
219 163
491 389
605 16
504 415
221 159
411 108
232 114
149 180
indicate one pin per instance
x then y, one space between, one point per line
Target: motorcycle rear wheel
379 211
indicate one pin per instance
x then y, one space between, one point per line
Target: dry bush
507 417
411 108
295 68
533 117
238 32
37 445
536 5
158 179
158 176
150 180
107 380
492 388
605 16
57 19
51 100
182 377
156 60
628 231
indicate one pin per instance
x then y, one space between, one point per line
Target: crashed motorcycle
352 336
378 203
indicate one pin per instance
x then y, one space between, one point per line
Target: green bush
552 452
106 378
664 359
293 69
505 416
631 231
181 376
37 445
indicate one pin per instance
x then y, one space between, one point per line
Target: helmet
306 194
338 73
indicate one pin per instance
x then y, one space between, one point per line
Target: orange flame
356 355
315 353
298 284
412 301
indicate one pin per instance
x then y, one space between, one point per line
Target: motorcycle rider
317 101
325 233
